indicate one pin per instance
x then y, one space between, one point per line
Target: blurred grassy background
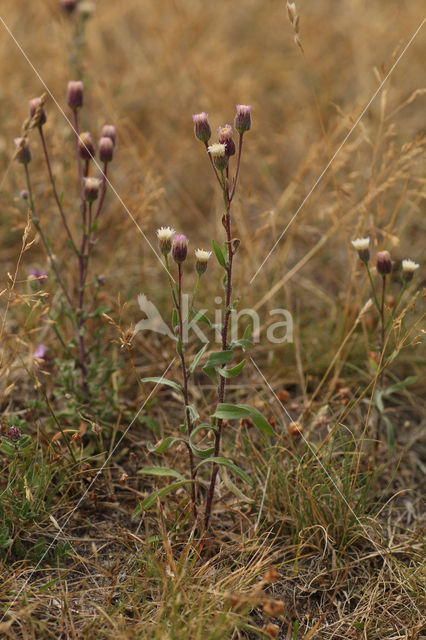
149 65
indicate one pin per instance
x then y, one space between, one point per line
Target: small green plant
387 317
79 303
219 365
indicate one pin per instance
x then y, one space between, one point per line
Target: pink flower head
202 128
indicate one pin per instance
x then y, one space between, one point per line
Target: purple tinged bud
37 112
41 352
202 128
242 121
75 94
24 194
36 274
106 149
225 137
23 151
69 5
85 146
180 248
91 189
109 131
384 263
13 434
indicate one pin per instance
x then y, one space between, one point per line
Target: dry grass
341 520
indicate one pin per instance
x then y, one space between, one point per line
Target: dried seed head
37 112
242 120
180 248
295 429
225 137
124 478
291 11
384 263
106 149
408 269
75 94
23 151
273 608
218 153
91 189
13 434
202 128
86 147
165 239
202 258
362 246
271 575
109 131
69 5
271 630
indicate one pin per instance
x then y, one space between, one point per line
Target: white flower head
165 237
217 150
409 266
361 244
165 233
202 255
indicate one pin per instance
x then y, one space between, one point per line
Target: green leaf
236 411
164 445
152 498
390 433
160 471
217 358
161 380
232 487
243 343
400 385
219 254
175 319
198 357
200 453
230 465
231 373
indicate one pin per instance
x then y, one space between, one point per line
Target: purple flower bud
86 147
69 5
384 263
37 112
106 149
225 137
75 94
41 352
24 194
180 248
40 276
91 189
242 121
109 131
13 434
202 128
23 151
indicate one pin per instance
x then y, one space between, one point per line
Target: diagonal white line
342 144
379 551
70 513
113 189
